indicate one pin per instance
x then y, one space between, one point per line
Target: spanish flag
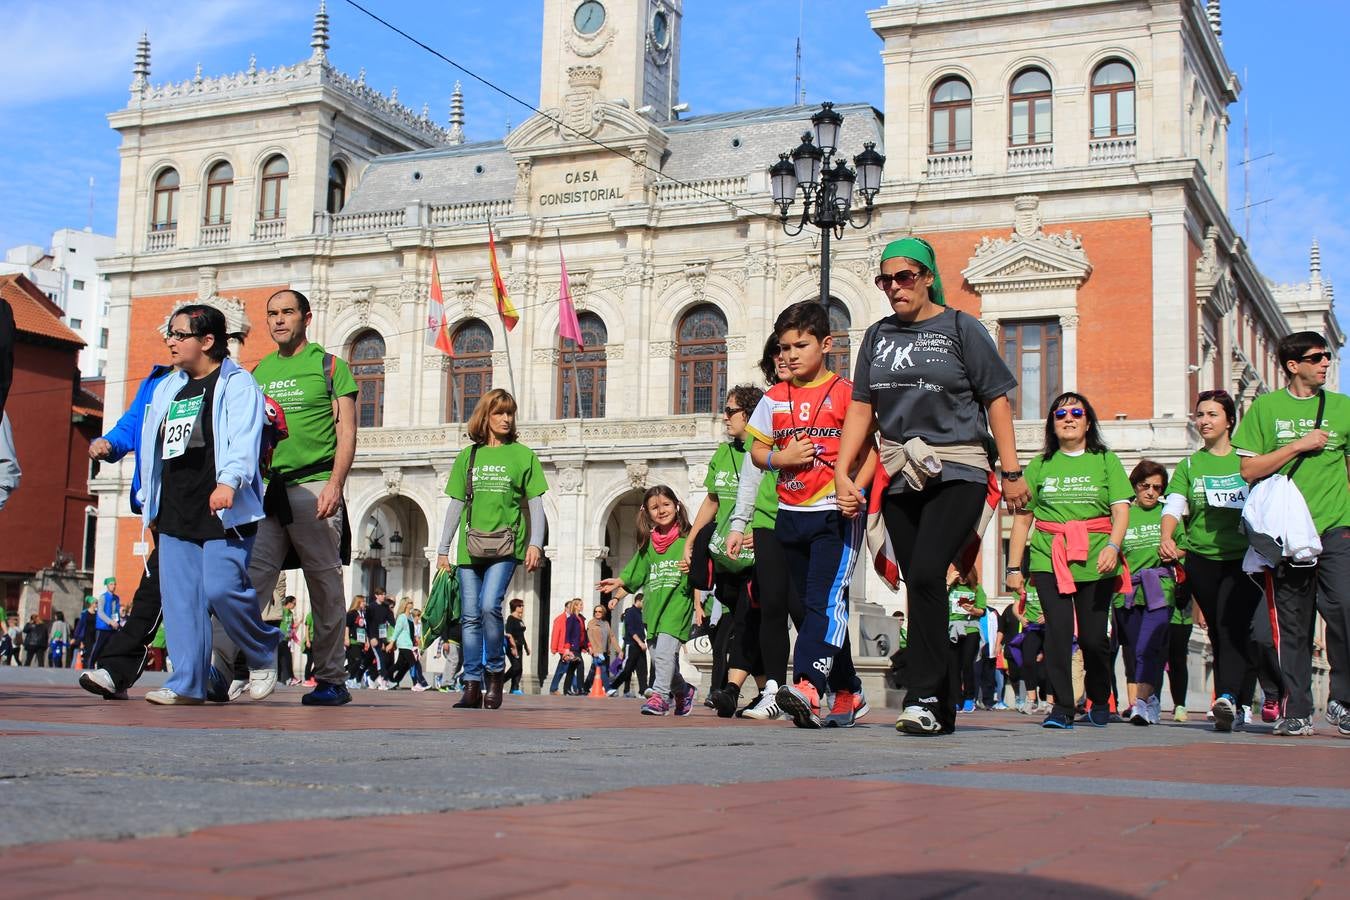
504 306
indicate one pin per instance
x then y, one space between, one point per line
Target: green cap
921 252
108 581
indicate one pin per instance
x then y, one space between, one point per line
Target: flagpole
506 336
576 375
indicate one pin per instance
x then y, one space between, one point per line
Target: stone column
1068 351
1171 335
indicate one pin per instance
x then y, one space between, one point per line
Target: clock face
589 17
661 30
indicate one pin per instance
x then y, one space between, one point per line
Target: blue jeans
199 580
482 588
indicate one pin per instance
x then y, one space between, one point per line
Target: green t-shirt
722 481
1181 615
1140 548
287 619
298 384
766 504
1074 488
668 601
1214 492
1279 418
159 641
960 592
505 479
1033 612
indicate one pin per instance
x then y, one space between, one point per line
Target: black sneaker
325 694
1057 720
1099 716
724 701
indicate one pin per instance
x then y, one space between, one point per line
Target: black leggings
778 602
1033 641
1090 607
733 646
1228 598
1178 658
403 662
928 529
356 661
966 648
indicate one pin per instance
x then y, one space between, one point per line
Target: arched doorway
389 550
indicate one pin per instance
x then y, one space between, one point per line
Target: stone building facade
1067 160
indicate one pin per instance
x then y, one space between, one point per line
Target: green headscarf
921 252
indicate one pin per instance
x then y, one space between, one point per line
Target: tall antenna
89 225
799 92
1247 160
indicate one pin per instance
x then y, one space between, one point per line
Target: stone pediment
568 130
1028 259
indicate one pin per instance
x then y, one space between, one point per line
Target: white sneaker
1179 714
1155 710
166 697
917 720
261 683
98 681
767 707
237 688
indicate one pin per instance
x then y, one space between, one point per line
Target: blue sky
75 59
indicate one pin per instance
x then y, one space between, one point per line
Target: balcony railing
700 191
269 230
1110 151
950 165
360 222
1032 156
215 235
468 213
160 240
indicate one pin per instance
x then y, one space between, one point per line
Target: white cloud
86 47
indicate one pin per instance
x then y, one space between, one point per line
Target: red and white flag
438 330
884 559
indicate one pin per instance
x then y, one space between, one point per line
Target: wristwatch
1011 476
1012 570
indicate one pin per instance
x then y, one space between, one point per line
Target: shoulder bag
499 544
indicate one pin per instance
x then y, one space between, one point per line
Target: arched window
1029 109
950 117
337 186
701 360
272 197
470 370
366 359
582 373
1113 100
164 213
839 358
219 181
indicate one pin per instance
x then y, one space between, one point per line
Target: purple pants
1146 637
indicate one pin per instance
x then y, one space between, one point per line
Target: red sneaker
801 701
1270 710
842 713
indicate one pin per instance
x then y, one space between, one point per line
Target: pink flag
568 326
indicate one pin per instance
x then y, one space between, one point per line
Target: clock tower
631 47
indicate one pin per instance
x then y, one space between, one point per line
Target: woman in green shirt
735 637
1207 494
489 501
968 603
1080 506
1146 608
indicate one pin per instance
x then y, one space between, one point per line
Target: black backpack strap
1321 408
468 485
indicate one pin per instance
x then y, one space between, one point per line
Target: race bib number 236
178 427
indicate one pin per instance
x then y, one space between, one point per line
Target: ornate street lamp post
827 190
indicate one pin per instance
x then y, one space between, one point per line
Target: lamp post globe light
827 185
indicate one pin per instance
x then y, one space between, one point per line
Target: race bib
361 635
1225 491
959 597
178 427
384 632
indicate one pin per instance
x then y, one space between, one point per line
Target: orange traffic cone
79 660
597 685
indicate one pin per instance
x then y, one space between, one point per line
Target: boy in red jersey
796 429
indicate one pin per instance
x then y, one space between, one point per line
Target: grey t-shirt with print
930 380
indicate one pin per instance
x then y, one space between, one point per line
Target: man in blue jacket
124 653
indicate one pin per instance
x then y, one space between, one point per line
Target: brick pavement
1178 812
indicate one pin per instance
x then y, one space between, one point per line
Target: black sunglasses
905 278
1315 358
730 411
